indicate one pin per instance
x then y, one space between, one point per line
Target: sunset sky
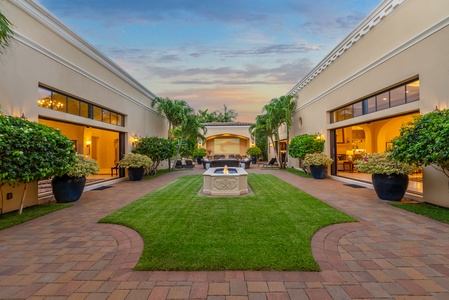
241 53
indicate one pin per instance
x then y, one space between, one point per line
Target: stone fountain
225 181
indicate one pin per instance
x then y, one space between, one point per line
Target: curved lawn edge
271 229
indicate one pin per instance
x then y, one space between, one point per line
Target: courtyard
389 253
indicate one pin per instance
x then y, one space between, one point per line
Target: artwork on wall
227 146
339 136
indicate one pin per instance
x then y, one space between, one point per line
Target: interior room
353 142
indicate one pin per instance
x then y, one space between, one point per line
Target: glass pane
412 91
382 101
358 109
59 102
397 96
73 106
120 120
44 97
340 114
369 105
84 112
97 114
113 118
348 112
106 116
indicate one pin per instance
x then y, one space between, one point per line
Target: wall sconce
135 140
319 136
23 117
200 145
88 146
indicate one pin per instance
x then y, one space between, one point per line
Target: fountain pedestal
235 183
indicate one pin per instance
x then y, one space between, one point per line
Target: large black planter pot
253 159
318 172
67 189
390 187
135 174
199 159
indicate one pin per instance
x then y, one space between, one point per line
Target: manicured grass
158 173
428 210
298 172
13 218
268 230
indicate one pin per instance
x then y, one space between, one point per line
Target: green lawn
268 230
13 218
431 211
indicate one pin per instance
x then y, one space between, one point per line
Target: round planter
135 174
318 172
253 159
390 187
199 159
67 189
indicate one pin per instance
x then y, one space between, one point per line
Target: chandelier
47 102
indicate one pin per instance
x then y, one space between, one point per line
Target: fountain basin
235 183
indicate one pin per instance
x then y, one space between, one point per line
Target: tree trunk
177 152
23 197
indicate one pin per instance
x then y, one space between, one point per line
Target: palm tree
273 122
5 32
175 111
263 127
288 106
191 128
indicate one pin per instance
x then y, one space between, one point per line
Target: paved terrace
389 254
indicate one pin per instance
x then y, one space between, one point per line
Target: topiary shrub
158 149
304 144
31 151
424 141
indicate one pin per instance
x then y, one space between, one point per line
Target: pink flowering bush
382 163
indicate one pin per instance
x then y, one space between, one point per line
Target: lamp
88 146
23 117
349 154
135 140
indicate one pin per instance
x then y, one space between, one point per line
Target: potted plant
254 152
70 186
199 153
136 165
304 144
390 177
318 163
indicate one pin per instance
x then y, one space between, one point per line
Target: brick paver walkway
388 254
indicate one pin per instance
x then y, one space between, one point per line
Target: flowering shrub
317 159
381 163
84 166
134 160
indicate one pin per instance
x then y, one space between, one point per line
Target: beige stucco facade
400 41
45 53
226 139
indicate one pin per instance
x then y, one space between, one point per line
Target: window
85 111
383 101
399 95
58 102
73 106
64 103
412 91
98 114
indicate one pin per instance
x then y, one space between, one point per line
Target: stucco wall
412 42
38 55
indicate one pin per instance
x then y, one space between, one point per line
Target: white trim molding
383 10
